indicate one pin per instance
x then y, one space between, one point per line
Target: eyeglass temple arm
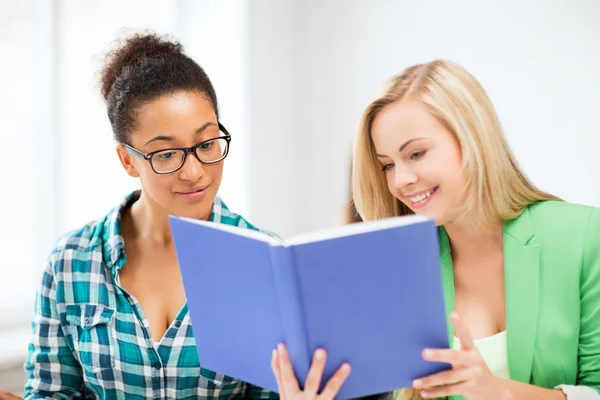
133 151
222 129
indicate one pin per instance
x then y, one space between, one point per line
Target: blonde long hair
496 188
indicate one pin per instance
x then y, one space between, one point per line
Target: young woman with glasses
111 318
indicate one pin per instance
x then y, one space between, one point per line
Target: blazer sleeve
589 334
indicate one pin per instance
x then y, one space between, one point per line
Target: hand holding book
288 385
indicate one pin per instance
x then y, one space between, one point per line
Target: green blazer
552 281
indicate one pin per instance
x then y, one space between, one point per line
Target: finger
445 378
335 383
276 372
462 333
313 380
9 396
444 391
450 356
288 377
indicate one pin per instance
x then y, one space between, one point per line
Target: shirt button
86 320
157 365
177 324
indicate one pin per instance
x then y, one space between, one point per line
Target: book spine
291 310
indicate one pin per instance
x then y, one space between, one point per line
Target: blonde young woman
521 268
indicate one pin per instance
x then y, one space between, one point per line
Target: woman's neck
469 242
149 222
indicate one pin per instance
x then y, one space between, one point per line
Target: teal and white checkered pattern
89 333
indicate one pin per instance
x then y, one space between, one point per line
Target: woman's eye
417 154
166 156
206 146
387 167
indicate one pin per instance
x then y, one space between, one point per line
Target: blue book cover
369 293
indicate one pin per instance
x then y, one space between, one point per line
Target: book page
354 229
249 233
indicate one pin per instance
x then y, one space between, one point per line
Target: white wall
17 193
273 109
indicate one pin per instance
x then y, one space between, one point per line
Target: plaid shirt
88 333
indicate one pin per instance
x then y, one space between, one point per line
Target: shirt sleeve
255 392
52 370
589 336
579 392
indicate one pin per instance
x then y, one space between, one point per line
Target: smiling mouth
421 199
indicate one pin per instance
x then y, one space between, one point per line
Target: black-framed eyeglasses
170 160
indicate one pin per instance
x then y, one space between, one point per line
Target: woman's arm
589 333
51 368
520 390
9 396
588 380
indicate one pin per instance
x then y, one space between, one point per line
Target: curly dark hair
141 68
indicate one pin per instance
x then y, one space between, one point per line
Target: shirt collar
112 237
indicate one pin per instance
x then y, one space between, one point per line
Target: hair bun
132 51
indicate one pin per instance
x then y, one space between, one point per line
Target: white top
494 351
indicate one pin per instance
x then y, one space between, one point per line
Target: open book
368 293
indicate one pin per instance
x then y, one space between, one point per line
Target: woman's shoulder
550 208
77 259
96 240
562 215
564 227
81 239
80 266
222 214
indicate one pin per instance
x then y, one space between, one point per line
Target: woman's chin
431 215
201 213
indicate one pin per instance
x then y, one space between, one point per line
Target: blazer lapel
447 279
521 275
448 282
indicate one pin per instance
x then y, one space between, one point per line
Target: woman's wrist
506 391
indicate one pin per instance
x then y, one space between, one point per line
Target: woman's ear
127 161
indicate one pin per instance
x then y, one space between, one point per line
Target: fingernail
417 383
280 347
319 354
346 367
274 354
424 394
426 353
